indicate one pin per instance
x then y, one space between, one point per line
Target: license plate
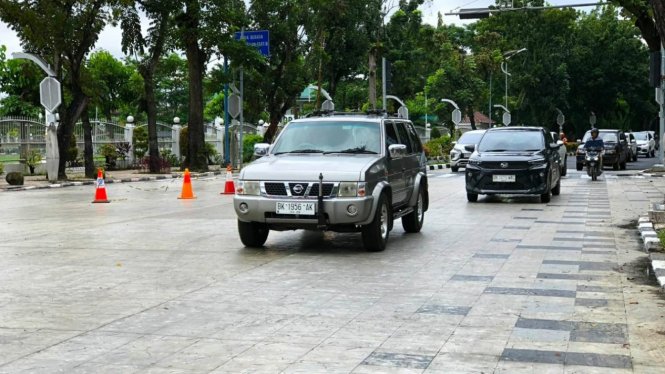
467 155
306 209
503 178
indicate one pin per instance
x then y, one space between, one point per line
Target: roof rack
369 112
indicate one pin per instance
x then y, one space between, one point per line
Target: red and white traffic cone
100 190
229 187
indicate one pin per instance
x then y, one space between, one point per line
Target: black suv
616 149
514 160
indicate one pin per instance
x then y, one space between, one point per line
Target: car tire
472 197
546 197
635 157
454 169
622 165
653 153
564 169
375 235
580 167
556 190
413 221
253 234
615 166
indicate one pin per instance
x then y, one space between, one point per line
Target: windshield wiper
496 150
358 150
301 151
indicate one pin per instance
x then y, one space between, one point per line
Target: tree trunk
151 110
659 14
88 156
196 158
66 128
372 79
472 119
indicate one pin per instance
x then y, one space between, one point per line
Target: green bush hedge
439 147
572 146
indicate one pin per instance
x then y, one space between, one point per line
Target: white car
563 152
646 144
459 156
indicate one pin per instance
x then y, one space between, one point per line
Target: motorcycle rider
596 142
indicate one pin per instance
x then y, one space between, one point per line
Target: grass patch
661 237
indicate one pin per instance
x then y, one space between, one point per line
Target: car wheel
413 221
615 166
564 169
556 190
653 153
455 169
622 166
546 197
635 157
472 197
580 167
375 235
253 234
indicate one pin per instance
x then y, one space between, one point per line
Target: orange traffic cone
187 192
229 187
100 191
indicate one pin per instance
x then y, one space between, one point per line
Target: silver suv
336 172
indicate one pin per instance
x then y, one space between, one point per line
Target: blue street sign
259 39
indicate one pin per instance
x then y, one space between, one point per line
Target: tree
108 82
19 80
203 28
156 43
63 33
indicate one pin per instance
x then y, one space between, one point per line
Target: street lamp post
504 67
457 114
506 116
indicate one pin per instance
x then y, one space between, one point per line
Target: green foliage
73 151
248 142
439 147
572 146
108 150
2 168
170 158
19 80
32 158
140 142
435 133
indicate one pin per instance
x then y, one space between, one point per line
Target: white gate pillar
219 132
129 137
175 140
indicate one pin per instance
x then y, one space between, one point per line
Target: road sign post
234 105
560 119
507 118
457 117
592 120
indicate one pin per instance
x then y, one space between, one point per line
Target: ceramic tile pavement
539 289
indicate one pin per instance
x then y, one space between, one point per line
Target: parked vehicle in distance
632 146
563 153
616 149
459 156
515 160
654 135
335 172
646 144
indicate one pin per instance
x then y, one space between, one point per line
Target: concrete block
652 244
645 226
657 216
649 234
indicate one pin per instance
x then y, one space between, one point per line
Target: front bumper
642 150
461 162
263 209
531 181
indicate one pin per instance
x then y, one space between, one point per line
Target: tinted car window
502 141
415 139
329 136
391 135
548 137
640 136
470 138
622 136
555 136
404 136
606 136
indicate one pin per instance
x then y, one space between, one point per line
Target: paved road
642 163
152 284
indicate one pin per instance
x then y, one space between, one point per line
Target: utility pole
227 151
489 113
372 78
383 71
661 146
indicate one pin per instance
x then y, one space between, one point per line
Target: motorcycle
592 159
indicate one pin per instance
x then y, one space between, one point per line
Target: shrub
109 151
162 164
2 168
572 146
140 140
248 143
435 133
439 147
170 158
122 150
73 151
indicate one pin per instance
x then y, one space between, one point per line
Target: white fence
21 134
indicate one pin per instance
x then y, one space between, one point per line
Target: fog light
542 175
243 208
352 209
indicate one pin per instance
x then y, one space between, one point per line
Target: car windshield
640 136
471 138
606 136
504 141
329 137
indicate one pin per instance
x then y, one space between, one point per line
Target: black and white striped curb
652 243
438 166
111 181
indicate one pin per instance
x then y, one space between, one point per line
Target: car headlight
455 154
349 189
248 188
475 162
537 162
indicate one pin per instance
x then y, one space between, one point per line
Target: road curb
651 244
438 166
111 181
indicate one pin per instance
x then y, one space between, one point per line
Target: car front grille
297 189
515 165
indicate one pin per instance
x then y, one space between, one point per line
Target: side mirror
633 141
579 140
555 145
261 149
559 142
470 147
397 150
